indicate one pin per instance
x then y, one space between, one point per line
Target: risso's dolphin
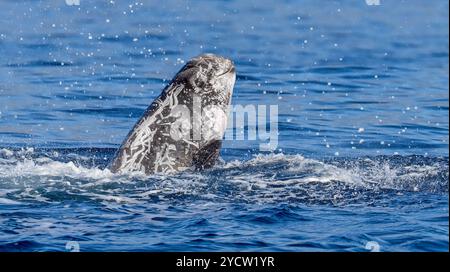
183 128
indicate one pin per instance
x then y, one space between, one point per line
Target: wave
58 175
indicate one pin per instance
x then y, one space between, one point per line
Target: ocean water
362 155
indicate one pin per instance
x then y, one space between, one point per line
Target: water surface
362 154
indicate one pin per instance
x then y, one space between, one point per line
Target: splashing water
63 191
362 154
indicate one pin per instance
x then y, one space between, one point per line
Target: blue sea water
362 155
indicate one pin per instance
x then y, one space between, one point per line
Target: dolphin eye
189 65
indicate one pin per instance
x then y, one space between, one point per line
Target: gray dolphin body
183 127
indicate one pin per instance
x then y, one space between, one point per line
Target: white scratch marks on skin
196 145
163 158
143 136
150 147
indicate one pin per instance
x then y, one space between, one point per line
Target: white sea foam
25 175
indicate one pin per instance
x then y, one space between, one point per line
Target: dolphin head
210 75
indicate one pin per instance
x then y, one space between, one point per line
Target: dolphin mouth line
231 70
